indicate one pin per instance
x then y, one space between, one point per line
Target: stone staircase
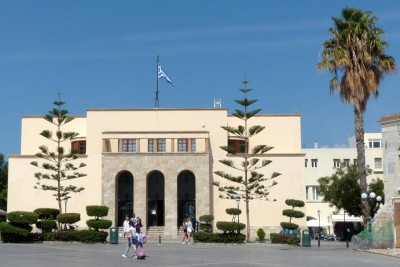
155 231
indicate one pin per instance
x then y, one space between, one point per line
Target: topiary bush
284 239
261 234
69 218
97 211
84 236
230 227
206 237
292 213
47 213
19 228
89 236
205 223
233 211
289 226
99 224
46 225
22 217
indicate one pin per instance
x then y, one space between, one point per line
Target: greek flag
162 74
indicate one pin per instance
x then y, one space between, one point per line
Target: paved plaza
173 253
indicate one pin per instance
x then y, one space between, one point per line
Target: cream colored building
387 220
160 164
323 162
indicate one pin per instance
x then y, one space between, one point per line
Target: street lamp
369 197
238 203
319 228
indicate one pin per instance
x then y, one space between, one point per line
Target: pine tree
253 185
58 167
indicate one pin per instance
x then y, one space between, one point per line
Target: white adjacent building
323 162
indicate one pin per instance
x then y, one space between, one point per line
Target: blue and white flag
162 74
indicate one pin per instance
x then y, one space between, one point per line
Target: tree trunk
362 172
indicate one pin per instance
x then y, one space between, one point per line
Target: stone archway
155 199
186 197
124 196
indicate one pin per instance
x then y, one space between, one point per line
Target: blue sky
102 54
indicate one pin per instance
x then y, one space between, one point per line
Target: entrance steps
155 231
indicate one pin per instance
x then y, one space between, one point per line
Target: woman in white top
126 226
131 236
189 229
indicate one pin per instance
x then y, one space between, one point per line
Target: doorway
186 197
155 199
124 196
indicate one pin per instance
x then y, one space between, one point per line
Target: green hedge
68 218
205 237
84 236
97 211
47 213
99 224
230 227
284 239
22 217
11 233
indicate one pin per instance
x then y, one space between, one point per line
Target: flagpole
157 100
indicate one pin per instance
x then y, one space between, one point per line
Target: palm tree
355 55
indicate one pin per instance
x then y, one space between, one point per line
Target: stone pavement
172 253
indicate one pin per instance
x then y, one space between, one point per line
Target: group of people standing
187 228
134 235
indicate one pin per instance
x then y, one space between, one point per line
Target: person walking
126 226
189 229
132 240
184 229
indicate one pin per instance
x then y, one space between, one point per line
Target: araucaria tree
253 185
355 55
58 166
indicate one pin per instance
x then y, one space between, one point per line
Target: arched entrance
124 196
155 199
186 197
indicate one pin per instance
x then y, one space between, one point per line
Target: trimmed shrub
47 213
84 236
295 203
205 223
230 227
233 211
88 236
260 234
10 233
284 239
97 211
290 226
99 224
61 236
22 217
205 237
206 218
69 218
293 213
46 225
